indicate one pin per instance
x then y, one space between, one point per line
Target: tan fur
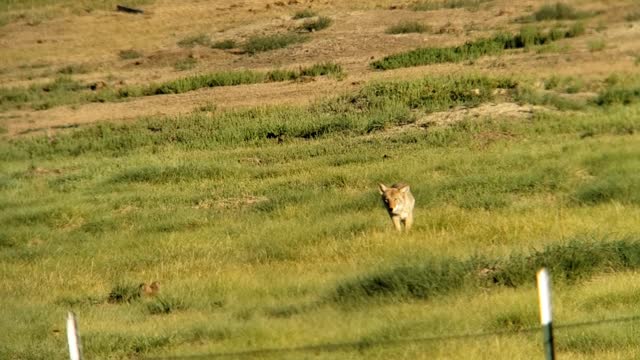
149 290
399 203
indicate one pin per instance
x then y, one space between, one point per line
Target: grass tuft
596 45
261 43
318 24
74 69
407 27
129 54
225 44
306 13
124 293
191 41
632 17
557 11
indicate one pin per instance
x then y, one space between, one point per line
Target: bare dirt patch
504 111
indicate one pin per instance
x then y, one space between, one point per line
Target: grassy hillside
262 222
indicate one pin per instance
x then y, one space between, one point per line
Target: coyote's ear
404 189
382 188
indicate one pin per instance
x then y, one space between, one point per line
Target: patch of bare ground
504 111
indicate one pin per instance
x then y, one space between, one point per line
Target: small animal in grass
399 203
149 289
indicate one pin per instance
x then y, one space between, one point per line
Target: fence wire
365 344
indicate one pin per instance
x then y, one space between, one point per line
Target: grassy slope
225 225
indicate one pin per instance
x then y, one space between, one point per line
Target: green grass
528 36
66 91
261 43
224 215
407 27
62 90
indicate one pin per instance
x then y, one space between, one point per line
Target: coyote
399 204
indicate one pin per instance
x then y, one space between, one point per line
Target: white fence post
544 298
73 338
